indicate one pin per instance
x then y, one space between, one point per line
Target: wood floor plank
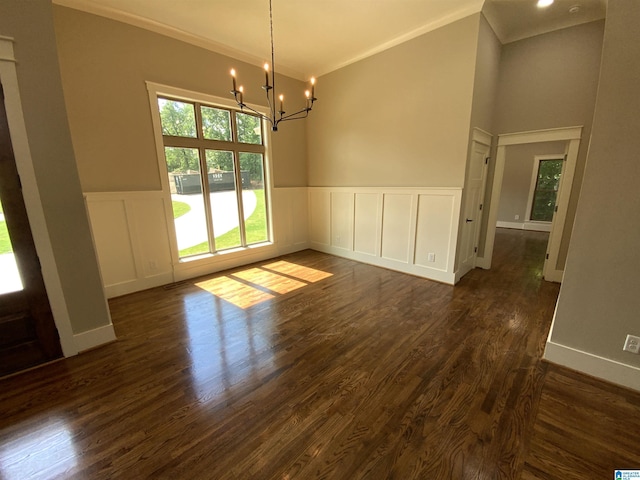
315 367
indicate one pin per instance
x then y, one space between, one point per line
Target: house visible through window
215 163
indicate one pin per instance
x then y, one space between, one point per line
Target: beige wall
104 67
399 118
487 70
30 24
518 169
599 302
545 82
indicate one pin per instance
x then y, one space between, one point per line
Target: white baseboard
482 262
514 225
136 285
532 226
554 276
604 368
417 270
94 338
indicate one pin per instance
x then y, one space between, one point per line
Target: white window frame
196 265
532 187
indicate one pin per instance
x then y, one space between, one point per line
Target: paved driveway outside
191 228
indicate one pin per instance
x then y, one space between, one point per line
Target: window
215 160
544 187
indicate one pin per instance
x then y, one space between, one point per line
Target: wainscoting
404 229
408 230
132 238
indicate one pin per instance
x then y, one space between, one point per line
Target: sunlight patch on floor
255 285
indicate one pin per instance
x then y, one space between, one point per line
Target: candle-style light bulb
233 76
306 94
313 87
266 74
281 103
241 90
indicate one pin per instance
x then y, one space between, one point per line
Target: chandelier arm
244 106
291 115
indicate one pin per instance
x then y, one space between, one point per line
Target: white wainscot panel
110 229
319 216
392 227
434 230
342 220
396 227
131 239
367 223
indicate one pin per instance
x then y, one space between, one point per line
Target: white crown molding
429 27
172 32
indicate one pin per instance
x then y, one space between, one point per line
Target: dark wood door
28 335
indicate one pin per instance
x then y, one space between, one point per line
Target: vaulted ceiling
314 37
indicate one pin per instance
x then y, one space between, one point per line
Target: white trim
554 275
534 177
181 267
32 200
209 44
531 226
94 338
572 136
326 238
562 204
481 136
604 368
175 33
537 136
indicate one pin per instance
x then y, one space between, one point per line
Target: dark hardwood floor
311 366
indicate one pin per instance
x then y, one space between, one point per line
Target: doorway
571 136
28 335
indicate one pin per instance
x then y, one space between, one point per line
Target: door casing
572 136
33 203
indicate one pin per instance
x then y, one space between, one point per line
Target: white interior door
475 184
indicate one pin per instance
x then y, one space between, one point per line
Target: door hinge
19 182
547 257
475 250
480 206
486 160
565 157
555 209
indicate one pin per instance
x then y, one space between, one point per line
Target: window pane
178 118
185 184
216 124
10 280
253 197
249 129
544 197
224 202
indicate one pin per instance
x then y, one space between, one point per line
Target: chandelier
275 116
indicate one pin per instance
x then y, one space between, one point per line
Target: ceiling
315 37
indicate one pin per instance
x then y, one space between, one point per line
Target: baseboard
537 227
554 276
412 269
481 262
604 368
293 248
531 226
514 225
94 338
138 284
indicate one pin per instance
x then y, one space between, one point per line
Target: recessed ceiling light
575 9
544 3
